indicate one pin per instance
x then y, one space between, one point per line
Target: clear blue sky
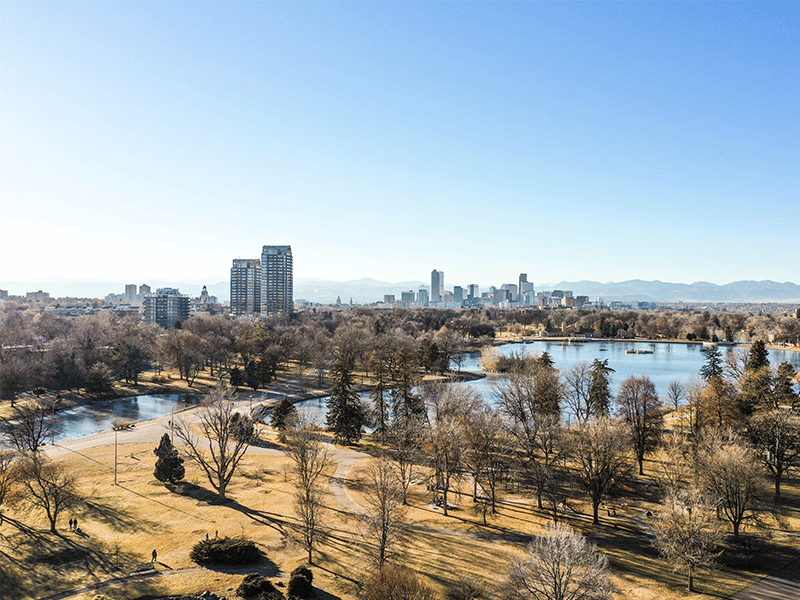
591 140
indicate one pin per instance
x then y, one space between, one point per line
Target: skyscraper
277 283
437 285
245 286
526 295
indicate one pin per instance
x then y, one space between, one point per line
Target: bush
396 582
226 551
304 571
255 585
300 584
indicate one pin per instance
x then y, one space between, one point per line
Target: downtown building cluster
263 286
508 295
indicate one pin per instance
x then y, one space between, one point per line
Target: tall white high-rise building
277 280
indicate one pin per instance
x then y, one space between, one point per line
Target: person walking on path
155 556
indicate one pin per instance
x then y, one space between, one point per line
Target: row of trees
39 349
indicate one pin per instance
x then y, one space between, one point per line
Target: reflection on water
662 363
88 420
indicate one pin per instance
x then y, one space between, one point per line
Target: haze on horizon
597 141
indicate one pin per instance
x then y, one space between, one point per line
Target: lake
668 361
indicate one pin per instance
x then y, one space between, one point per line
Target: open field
121 525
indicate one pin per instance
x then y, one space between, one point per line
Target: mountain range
366 290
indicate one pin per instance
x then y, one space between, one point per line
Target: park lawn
121 525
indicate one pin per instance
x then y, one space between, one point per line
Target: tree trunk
691 578
595 513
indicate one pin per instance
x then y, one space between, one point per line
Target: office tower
458 294
166 307
277 283
245 286
422 297
526 295
437 285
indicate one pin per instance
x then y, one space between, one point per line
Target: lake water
97 417
668 361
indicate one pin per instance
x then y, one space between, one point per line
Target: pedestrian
74 524
70 523
155 555
216 533
206 535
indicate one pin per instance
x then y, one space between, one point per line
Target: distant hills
366 290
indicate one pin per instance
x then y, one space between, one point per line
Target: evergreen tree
758 356
599 388
713 366
783 389
236 377
346 413
283 414
169 466
545 360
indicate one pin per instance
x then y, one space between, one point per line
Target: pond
98 417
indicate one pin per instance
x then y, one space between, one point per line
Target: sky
591 140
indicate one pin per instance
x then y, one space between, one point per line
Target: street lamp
115 456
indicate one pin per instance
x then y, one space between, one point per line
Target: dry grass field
121 525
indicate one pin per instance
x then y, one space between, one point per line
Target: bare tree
310 458
487 452
577 383
535 425
29 427
687 531
561 565
9 474
48 486
675 392
640 408
444 439
227 438
601 449
382 523
405 449
674 461
731 472
776 437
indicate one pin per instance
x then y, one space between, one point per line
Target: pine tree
283 414
758 356
169 466
346 413
600 389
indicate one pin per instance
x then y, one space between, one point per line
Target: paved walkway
783 585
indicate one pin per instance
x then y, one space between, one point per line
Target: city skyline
571 141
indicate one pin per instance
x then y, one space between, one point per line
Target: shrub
466 588
300 583
396 582
304 571
255 585
226 551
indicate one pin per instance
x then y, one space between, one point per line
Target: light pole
115 456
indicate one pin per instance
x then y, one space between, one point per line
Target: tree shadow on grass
196 492
48 563
117 517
